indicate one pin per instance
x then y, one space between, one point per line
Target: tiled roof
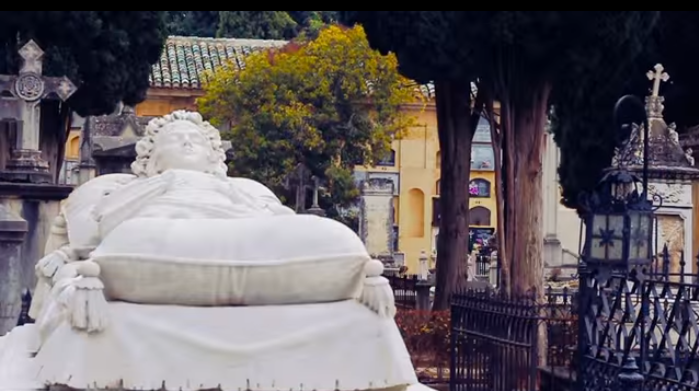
185 60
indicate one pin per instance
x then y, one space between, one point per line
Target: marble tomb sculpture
180 278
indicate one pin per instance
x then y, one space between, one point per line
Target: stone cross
315 207
298 181
27 90
657 75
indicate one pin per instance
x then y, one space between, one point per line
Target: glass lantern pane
599 224
646 250
639 236
598 250
615 250
616 226
607 234
635 236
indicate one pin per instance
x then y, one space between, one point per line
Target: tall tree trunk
496 137
455 128
526 119
509 260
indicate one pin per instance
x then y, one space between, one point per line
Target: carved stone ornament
673 194
378 185
29 87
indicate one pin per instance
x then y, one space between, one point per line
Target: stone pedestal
12 233
424 299
553 252
26 165
316 211
376 218
38 205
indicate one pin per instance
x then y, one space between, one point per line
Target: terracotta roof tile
185 60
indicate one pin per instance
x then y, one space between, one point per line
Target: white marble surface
144 271
326 346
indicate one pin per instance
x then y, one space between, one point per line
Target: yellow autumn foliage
332 99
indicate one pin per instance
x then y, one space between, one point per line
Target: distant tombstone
23 106
315 208
376 216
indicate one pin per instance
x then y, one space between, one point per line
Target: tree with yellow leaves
330 103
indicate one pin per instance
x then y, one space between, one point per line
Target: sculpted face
181 145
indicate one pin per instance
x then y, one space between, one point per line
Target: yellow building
72 156
413 166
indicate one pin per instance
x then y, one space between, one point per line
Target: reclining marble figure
180 278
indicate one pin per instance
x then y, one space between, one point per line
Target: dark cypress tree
583 124
520 59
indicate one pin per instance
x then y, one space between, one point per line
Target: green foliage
500 46
256 24
585 55
584 127
311 22
192 23
248 24
311 103
108 54
518 58
428 44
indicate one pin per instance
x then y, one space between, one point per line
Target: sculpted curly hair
143 166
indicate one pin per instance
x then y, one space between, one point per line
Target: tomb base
339 346
26 165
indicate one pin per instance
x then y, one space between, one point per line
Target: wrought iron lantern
618 221
619 226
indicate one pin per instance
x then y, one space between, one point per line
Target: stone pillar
87 166
553 251
376 218
494 271
423 291
12 232
424 267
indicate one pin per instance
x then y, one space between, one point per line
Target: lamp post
618 216
618 226
641 112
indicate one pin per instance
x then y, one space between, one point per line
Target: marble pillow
211 262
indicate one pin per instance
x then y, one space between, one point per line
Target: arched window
479 188
438 160
74 148
437 186
415 216
479 216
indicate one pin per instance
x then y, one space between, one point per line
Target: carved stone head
181 140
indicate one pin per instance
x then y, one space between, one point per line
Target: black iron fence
405 290
581 339
498 341
483 267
